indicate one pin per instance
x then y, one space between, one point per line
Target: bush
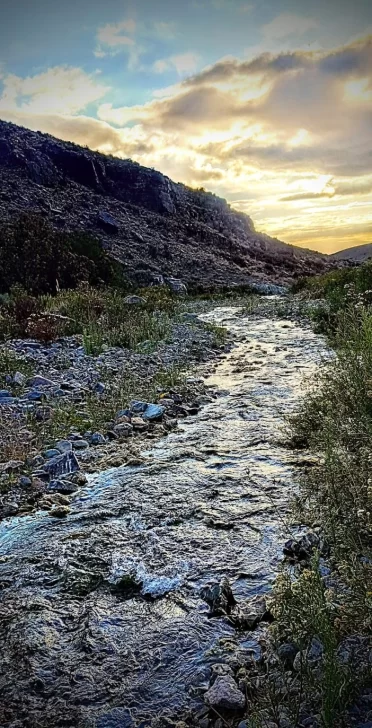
44 260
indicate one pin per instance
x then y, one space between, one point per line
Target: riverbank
65 413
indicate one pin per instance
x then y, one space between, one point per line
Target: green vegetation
44 260
335 498
338 290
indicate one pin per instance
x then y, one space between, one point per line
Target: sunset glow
268 105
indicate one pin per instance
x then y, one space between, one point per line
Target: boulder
59 511
62 465
80 444
225 695
124 429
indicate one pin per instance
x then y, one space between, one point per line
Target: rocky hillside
149 223
358 254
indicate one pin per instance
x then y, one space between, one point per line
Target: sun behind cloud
283 132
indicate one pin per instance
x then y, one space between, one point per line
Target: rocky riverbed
146 602
53 411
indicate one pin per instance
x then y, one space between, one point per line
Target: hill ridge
154 226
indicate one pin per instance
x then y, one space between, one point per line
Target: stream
102 622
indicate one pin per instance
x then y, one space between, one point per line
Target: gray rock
153 412
62 486
19 379
35 396
107 222
99 388
189 316
123 430
62 465
219 596
80 444
52 453
64 446
97 439
116 718
4 393
176 286
11 466
224 694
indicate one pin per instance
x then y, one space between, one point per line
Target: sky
267 103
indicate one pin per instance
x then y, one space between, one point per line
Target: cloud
113 38
183 63
59 90
287 24
280 135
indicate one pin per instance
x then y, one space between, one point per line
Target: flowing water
208 502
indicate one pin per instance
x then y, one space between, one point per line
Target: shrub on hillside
44 260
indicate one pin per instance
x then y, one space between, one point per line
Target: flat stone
99 388
40 381
65 487
224 694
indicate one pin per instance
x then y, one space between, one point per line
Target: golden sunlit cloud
285 137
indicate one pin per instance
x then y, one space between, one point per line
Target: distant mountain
358 254
149 223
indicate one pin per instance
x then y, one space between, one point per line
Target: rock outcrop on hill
149 223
